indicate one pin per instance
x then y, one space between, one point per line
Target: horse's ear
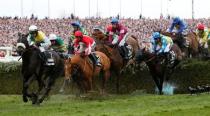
19 34
144 49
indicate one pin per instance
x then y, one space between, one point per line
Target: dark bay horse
193 48
159 67
82 71
118 64
33 67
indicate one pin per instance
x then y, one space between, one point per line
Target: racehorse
118 64
193 48
82 70
33 67
159 66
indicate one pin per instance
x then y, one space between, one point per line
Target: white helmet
52 36
33 28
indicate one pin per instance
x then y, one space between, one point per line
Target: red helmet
200 26
78 34
109 28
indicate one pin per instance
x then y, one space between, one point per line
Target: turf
112 105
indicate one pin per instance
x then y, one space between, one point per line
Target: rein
150 59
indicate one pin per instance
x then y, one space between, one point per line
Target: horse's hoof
39 101
61 91
25 99
34 98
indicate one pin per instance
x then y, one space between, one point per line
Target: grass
113 105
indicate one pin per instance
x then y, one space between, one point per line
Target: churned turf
111 105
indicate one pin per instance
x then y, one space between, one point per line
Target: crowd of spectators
141 28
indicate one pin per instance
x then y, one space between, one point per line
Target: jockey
202 36
39 39
77 27
57 43
116 33
162 45
89 46
116 28
180 31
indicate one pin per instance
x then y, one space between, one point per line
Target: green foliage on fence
189 73
8 67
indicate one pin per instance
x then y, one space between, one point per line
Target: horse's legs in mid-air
26 81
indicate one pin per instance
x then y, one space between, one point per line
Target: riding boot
125 52
95 59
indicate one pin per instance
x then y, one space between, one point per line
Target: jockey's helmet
33 29
76 24
52 36
114 21
156 35
176 20
78 34
200 26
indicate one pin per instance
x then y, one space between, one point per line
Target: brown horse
118 64
82 70
159 66
191 39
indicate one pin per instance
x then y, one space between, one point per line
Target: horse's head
143 55
22 43
72 66
99 34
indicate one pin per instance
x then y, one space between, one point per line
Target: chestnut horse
159 66
82 70
193 48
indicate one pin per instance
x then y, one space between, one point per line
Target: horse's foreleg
118 82
161 85
157 83
63 86
26 81
105 78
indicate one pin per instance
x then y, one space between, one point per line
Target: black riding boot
125 52
95 59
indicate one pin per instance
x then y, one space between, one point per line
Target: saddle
47 58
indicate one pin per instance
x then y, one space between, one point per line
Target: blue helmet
156 35
176 20
76 24
114 21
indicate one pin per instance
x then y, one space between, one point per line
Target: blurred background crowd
141 28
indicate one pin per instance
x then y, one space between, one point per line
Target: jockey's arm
171 28
163 46
122 33
30 41
111 36
182 27
46 42
205 38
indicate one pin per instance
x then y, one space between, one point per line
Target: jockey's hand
38 44
173 33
